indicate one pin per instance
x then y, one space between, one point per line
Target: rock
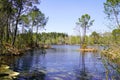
6 72
13 74
4 67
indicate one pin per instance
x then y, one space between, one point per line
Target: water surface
63 62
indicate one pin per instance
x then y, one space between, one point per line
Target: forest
22 31
19 17
21 21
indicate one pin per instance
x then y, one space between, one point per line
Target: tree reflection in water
35 66
87 66
31 65
64 64
89 69
83 73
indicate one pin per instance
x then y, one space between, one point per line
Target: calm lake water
63 62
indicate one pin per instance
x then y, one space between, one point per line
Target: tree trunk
116 17
36 35
16 27
15 33
84 34
7 30
31 36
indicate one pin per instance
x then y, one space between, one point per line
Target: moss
84 46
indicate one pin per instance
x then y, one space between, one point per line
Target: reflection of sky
62 63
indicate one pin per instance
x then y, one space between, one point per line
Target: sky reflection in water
63 62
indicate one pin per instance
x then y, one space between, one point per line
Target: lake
63 62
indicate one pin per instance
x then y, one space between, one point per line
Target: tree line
106 38
112 10
21 21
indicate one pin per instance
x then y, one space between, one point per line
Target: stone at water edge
4 69
13 74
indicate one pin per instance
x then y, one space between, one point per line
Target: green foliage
84 22
83 46
20 13
74 40
95 37
52 38
112 10
24 19
38 20
114 2
116 35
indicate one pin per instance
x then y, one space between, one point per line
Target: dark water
63 62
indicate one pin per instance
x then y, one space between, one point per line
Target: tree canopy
112 10
84 22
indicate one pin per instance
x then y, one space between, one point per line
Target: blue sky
63 14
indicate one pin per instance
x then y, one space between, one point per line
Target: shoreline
12 51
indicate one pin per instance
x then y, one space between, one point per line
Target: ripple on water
57 74
43 71
56 78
